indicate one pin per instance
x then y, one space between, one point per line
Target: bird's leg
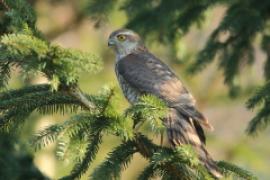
161 139
138 125
138 122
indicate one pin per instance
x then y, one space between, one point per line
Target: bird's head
124 42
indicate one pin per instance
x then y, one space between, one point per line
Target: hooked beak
111 43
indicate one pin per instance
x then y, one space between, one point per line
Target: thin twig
148 152
77 93
107 102
5 4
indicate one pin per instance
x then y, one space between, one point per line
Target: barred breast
131 94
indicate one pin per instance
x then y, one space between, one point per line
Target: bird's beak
111 43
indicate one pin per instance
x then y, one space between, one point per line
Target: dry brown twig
5 4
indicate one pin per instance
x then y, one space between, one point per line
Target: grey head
124 42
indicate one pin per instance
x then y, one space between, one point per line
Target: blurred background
63 24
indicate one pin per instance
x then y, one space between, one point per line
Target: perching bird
140 73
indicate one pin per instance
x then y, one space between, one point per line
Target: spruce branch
171 161
148 172
13 93
68 128
148 109
260 96
145 147
26 104
117 159
36 55
5 74
67 146
92 122
260 121
19 163
46 136
17 114
83 164
99 10
229 168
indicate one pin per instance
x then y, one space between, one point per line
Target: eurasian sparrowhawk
139 72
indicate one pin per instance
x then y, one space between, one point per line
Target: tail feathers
191 111
209 163
182 130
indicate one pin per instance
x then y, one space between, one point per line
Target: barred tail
183 130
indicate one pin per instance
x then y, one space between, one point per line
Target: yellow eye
121 37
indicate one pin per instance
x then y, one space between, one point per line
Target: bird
140 73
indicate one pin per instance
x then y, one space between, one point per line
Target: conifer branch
7 95
70 128
81 167
172 167
260 121
231 168
148 172
28 103
118 159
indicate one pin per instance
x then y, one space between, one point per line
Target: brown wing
148 74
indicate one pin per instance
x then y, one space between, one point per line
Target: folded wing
149 75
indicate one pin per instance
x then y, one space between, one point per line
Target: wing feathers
148 74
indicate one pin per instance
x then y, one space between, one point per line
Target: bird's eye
121 37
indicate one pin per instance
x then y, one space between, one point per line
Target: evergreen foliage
79 137
16 161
